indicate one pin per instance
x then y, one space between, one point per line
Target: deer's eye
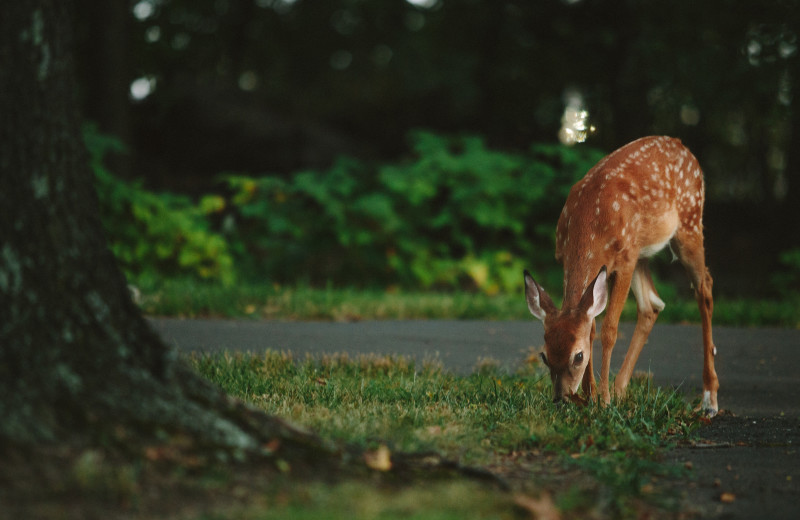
544 359
578 358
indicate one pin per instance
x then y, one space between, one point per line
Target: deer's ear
595 297
539 302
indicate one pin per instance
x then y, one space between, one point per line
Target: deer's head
567 332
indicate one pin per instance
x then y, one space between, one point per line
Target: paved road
756 455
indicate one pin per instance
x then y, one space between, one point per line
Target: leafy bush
156 235
787 279
456 214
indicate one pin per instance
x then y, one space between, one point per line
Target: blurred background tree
199 87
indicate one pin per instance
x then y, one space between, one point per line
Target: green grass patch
189 298
593 460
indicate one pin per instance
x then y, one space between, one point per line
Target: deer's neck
578 274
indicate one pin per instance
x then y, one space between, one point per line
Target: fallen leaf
379 459
541 508
727 498
273 445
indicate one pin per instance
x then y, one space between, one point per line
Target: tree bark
76 356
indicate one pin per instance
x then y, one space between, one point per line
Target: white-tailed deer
630 205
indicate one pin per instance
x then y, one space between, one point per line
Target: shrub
156 235
456 214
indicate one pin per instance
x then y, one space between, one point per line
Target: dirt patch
743 467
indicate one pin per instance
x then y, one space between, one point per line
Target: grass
585 461
187 298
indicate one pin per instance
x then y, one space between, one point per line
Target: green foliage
156 235
456 215
787 280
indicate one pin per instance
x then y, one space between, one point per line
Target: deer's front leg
588 384
620 285
608 338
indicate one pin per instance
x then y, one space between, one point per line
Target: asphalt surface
748 466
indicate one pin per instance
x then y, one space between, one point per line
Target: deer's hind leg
689 248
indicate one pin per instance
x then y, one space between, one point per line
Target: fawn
629 206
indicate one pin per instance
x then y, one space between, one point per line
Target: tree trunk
76 356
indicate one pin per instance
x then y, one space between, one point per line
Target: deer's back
631 203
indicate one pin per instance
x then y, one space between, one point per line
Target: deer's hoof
708 407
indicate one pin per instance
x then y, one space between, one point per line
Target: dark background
276 86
